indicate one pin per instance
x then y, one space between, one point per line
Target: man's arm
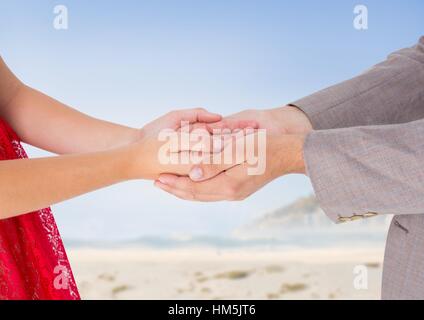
49 124
364 171
356 172
390 92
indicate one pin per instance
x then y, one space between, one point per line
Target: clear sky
131 61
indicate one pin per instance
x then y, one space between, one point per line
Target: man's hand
284 155
276 122
283 120
286 130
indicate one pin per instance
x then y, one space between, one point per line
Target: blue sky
132 61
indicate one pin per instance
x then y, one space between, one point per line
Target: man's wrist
290 154
286 154
291 119
298 165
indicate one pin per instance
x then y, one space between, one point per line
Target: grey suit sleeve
390 92
363 171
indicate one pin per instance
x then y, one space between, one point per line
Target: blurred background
132 61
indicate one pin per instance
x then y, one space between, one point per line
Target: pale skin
287 128
96 153
104 153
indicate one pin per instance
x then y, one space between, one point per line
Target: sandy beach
200 273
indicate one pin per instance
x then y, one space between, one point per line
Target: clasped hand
222 170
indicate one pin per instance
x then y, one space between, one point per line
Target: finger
232 124
195 137
226 186
181 183
201 140
189 127
232 155
238 173
204 172
201 163
185 189
176 192
198 115
208 117
197 140
198 125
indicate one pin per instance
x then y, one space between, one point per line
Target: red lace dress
33 261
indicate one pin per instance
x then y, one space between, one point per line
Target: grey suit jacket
366 157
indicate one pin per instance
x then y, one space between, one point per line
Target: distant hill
305 220
300 224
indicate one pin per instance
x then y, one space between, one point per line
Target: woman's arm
31 184
49 124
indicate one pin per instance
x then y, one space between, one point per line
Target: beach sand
200 273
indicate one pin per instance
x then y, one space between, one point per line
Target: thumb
218 162
202 172
232 124
196 173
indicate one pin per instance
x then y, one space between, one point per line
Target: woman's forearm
31 184
46 123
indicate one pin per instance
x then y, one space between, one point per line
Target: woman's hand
145 153
283 155
286 129
30 184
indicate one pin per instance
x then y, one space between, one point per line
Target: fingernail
162 180
165 180
196 173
